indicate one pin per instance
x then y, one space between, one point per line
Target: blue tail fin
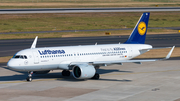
138 35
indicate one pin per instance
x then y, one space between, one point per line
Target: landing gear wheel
29 79
29 76
96 76
66 73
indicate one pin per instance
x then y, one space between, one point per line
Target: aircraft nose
12 64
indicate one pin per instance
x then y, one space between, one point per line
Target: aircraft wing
125 61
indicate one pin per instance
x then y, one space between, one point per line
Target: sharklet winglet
170 52
34 43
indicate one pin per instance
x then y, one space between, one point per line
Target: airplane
84 60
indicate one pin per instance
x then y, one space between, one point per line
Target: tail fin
138 34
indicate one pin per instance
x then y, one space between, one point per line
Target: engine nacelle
83 71
41 72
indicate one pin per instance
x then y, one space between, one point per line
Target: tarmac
88 10
150 81
10 47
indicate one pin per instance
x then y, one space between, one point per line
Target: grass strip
86 3
80 21
80 34
5 59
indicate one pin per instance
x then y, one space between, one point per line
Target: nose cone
13 64
10 64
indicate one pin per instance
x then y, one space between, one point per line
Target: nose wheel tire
29 79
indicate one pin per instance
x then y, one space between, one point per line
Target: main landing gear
66 73
29 78
96 76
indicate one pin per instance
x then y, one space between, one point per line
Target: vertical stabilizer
138 34
34 43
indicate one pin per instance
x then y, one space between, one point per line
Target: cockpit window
20 57
25 56
17 56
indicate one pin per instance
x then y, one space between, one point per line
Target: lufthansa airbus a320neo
84 60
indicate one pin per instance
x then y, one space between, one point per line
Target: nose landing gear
29 78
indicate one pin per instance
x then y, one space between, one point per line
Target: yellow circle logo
142 28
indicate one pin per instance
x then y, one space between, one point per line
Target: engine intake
83 71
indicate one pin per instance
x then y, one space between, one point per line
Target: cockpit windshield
20 56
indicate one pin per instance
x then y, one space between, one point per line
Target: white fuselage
51 58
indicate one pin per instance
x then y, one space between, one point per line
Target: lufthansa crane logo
142 28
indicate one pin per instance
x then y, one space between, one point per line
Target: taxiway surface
151 81
10 47
85 10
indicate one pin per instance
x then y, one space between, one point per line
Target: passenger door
130 52
36 58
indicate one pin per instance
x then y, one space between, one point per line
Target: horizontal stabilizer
135 61
155 48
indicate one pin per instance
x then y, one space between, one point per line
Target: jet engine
83 71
